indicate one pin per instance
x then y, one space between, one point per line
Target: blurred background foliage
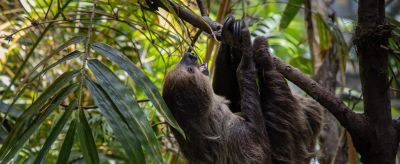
72 87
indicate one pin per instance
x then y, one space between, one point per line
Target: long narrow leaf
30 53
292 8
70 56
55 132
140 78
134 117
65 58
127 138
34 108
17 143
65 150
86 140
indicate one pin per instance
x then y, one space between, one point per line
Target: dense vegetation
80 81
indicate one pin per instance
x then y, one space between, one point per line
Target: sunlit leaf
324 33
292 8
31 51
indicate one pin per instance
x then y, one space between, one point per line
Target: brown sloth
273 125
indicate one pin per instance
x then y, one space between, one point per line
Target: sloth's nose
191 56
189 59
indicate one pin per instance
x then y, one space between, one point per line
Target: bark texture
378 142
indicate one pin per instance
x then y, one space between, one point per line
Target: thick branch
203 23
344 115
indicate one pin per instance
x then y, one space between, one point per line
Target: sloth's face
187 87
190 62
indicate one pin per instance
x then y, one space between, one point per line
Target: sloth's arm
224 77
274 90
247 77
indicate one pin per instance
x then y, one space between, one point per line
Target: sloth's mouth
204 69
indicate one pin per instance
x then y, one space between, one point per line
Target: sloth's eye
190 70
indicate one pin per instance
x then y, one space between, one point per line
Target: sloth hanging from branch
248 114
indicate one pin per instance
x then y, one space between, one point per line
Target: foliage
81 80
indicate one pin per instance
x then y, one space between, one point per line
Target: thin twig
194 40
85 57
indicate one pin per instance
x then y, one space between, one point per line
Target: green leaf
55 132
16 143
65 150
292 8
126 137
324 33
31 51
128 107
140 78
35 107
70 56
65 58
86 140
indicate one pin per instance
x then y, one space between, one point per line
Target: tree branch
344 115
203 23
202 8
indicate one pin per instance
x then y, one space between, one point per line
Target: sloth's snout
189 59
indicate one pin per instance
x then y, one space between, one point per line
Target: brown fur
213 133
293 122
275 126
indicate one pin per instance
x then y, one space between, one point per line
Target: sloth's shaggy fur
213 133
274 125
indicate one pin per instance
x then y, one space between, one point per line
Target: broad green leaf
65 150
35 107
15 144
292 8
126 137
134 117
86 140
140 78
55 132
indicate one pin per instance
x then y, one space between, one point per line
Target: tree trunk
377 143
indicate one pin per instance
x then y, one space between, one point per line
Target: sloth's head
187 89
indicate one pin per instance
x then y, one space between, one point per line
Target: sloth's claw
228 21
227 26
237 31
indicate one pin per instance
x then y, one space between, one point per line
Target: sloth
248 114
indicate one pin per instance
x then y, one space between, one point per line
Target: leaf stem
85 56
